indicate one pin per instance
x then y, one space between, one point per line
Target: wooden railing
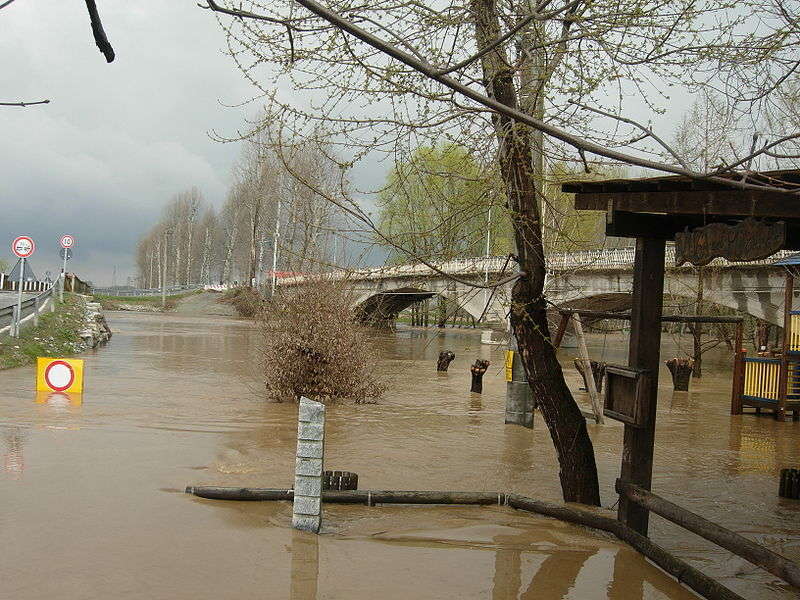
794 331
761 378
763 557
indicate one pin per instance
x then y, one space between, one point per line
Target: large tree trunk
578 470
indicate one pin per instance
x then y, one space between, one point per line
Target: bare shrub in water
245 300
313 347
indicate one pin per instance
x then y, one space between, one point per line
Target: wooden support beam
594 396
562 328
737 385
620 223
783 381
778 565
598 314
729 202
643 354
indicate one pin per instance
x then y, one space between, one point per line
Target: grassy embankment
141 303
55 335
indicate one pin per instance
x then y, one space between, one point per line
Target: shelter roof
787 178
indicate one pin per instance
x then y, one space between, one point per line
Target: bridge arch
382 307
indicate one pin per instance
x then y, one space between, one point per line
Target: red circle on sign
23 246
67 241
55 386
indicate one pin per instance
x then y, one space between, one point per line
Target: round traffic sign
67 241
59 375
23 246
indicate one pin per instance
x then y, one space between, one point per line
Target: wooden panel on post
737 387
644 354
783 377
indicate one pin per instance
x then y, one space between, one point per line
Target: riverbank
71 329
143 303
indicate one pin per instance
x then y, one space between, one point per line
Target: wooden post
643 353
737 386
783 380
445 358
562 328
591 387
477 370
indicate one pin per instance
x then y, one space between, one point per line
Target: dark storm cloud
117 140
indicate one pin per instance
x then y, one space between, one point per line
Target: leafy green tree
437 205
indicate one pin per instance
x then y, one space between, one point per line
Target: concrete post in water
307 511
519 398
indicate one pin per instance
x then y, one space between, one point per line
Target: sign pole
19 296
63 278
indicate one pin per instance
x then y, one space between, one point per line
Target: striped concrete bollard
307 509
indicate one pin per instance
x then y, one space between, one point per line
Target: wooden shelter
705 219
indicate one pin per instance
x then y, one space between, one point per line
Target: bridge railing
170 291
606 258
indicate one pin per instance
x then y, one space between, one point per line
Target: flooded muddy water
93 503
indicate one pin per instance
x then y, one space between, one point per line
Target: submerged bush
312 346
246 301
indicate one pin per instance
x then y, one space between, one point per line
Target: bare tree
529 59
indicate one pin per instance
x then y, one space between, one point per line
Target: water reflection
13 457
59 399
305 565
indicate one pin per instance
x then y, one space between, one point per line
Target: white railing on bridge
610 258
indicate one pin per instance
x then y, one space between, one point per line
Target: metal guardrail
613 258
170 291
31 308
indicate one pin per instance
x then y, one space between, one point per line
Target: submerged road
93 498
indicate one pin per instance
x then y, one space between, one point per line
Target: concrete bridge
598 280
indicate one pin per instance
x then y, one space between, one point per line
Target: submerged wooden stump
477 370
681 369
445 358
339 480
790 484
598 370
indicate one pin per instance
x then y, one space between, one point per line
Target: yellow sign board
509 365
59 375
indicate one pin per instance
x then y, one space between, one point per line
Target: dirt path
204 303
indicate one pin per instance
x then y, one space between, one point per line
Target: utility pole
164 271
276 235
486 263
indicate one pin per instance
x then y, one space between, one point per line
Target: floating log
684 572
774 563
681 370
445 358
477 370
368 497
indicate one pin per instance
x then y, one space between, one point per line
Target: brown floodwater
92 488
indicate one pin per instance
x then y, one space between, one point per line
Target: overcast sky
117 140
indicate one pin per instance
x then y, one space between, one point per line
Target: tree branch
24 103
97 30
